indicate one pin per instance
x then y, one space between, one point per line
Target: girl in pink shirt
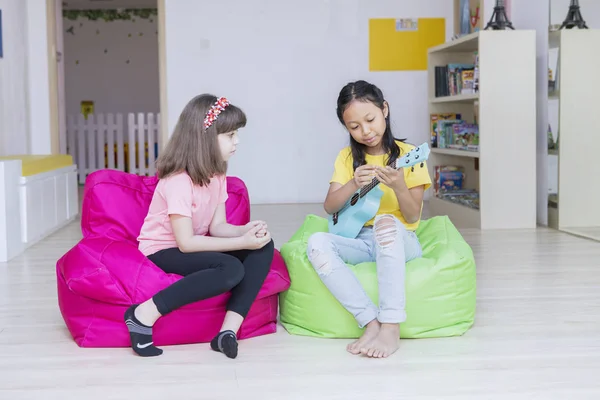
186 232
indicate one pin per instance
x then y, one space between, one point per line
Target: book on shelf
435 120
466 197
464 137
552 144
447 177
457 78
449 131
476 73
553 70
448 185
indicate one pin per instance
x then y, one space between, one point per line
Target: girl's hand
261 232
391 177
252 241
364 175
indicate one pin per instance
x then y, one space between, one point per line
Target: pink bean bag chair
105 272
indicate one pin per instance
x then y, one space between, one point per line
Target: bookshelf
503 168
576 208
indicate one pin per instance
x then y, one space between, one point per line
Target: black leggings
207 274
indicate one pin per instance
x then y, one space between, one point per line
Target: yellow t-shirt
343 172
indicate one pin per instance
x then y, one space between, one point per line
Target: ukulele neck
367 188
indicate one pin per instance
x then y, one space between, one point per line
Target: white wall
14 123
590 11
284 63
106 78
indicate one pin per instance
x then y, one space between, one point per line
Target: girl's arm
250 236
187 242
178 191
220 228
339 194
409 200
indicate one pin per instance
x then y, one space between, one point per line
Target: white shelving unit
578 210
504 168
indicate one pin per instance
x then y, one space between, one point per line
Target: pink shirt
177 194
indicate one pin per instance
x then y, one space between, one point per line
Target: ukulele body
357 212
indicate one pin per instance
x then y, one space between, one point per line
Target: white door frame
60 74
53 80
163 136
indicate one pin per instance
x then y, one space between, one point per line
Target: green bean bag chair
440 287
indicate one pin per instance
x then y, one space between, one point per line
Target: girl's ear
385 109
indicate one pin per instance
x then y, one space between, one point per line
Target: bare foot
385 344
370 333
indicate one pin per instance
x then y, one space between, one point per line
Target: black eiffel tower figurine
499 20
574 18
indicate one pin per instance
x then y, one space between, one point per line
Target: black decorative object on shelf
499 20
574 18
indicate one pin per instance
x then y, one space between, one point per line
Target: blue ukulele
364 203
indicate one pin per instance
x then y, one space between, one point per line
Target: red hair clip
214 111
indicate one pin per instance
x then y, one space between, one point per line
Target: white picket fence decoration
91 140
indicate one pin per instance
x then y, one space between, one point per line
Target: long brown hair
194 149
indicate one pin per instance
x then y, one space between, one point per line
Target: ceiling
94 4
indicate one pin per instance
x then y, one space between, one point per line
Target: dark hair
194 149
367 92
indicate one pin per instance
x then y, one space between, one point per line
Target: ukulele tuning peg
422 165
412 169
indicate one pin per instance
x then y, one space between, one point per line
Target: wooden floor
536 336
587 232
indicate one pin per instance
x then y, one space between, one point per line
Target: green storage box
440 287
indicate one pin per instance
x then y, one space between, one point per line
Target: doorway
106 82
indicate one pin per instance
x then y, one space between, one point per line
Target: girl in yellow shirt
389 238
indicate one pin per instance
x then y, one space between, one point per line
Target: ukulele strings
363 191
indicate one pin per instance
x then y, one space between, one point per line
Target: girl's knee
388 230
318 240
235 272
265 267
318 252
268 248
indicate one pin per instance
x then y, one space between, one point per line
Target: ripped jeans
390 245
